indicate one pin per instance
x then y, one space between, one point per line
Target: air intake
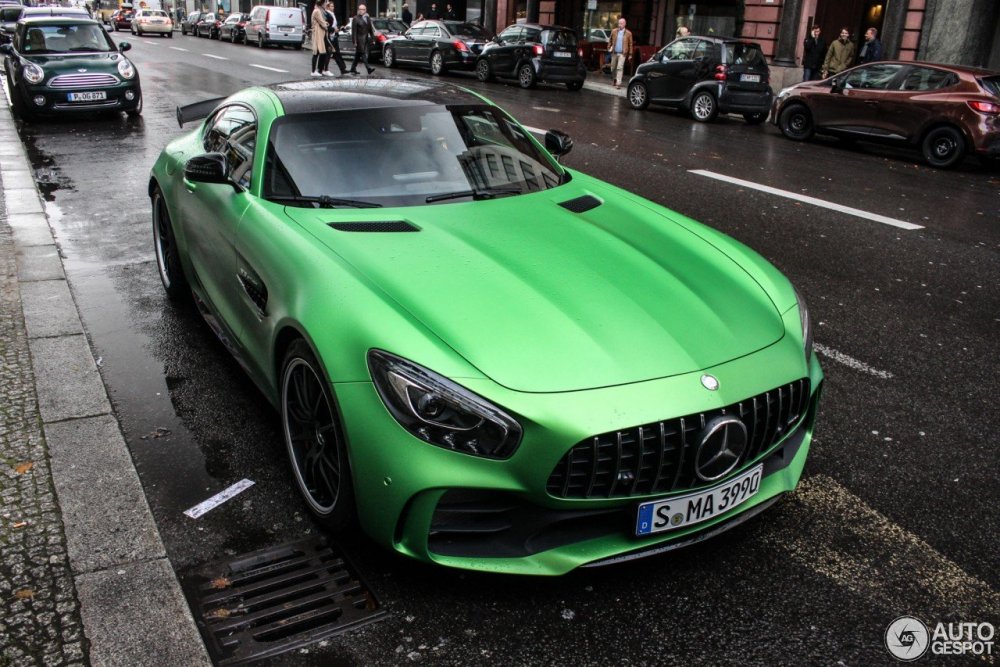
581 204
377 226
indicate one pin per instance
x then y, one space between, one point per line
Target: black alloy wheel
796 122
943 147
526 77
311 425
437 63
483 70
168 259
638 95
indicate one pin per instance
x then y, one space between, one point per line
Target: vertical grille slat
666 462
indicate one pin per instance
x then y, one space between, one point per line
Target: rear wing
197 111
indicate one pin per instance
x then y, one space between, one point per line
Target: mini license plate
683 511
88 97
563 54
750 78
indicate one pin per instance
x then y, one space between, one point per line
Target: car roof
958 69
312 96
42 12
42 19
541 26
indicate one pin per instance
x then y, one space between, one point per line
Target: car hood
99 61
542 299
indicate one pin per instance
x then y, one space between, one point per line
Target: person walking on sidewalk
321 56
332 44
813 51
363 34
620 48
840 55
871 50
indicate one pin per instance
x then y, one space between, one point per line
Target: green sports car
487 360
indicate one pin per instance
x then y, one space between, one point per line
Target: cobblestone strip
40 622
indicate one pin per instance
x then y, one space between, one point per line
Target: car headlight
125 69
33 73
438 411
784 91
807 333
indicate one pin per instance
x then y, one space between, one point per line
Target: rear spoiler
197 111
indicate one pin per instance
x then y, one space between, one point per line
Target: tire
168 260
260 41
638 95
796 122
437 63
232 37
184 31
755 118
703 107
313 438
526 76
137 111
170 35
484 72
389 57
943 147
17 101
574 85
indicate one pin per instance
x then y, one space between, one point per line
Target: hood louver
378 226
581 204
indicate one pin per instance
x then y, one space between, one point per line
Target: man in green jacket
840 55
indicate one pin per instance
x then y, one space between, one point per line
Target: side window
511 34
223 124
432 31
682 49
875 77
416 30
532 35
703 50
239 151
926 78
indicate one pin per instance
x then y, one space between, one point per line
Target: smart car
483 358
531 53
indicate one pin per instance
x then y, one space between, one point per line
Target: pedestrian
450 14
320 56
813 52
363 34
407 14
332 41
620 48
683 31
840 55
871 50
392 11
434 14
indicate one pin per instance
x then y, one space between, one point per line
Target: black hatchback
706 76
532 53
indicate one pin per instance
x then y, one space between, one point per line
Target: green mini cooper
57 65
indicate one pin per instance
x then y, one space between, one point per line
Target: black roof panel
328 95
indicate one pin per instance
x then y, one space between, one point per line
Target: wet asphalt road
897 512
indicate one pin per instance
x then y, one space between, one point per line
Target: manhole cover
278 599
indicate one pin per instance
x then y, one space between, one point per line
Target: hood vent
375 226
581 204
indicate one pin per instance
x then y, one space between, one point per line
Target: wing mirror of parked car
836 85
209 168
123 47
558 143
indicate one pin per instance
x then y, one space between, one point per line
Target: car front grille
83 81
660 457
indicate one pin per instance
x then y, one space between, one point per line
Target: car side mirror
209 168
123 47
6 49
558 143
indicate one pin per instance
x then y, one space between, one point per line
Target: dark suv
532 53
705 75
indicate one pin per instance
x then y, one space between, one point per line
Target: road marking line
271 69
219 498
833 532
145 41
535 130
851 362
809 200
209 55
177 48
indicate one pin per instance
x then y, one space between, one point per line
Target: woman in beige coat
321 56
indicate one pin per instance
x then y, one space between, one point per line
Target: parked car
59 65
190 21
208 26
9 15
437 45
384 29
706 76
531 53
234 28
944 111
154 21
121 19
436 378
270 24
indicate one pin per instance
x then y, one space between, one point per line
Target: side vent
581 204
376 226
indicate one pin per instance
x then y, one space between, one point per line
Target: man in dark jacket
407 14
363 34
871 50
435 13
813 52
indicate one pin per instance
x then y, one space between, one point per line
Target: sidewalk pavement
84 577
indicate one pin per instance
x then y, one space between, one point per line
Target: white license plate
750 78
563 54
683 511
88 97
284 28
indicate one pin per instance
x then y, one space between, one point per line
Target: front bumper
57 100
407 489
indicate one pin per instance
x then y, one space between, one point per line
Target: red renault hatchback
945 111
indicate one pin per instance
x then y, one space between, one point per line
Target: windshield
391 25
9 14
559 37
402 156
65 39
466 30
739 53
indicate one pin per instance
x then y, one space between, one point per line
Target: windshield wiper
486 193
326 202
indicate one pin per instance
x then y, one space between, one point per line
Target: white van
269 24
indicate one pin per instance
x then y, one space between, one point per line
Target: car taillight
985 107
579 53
538 49
720 73
460 45
380 37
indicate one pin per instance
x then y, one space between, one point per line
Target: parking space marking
875 217
834 533
269 69
146 41
209 55
177 48
535 130
851 362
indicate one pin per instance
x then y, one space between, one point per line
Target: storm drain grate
278 599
